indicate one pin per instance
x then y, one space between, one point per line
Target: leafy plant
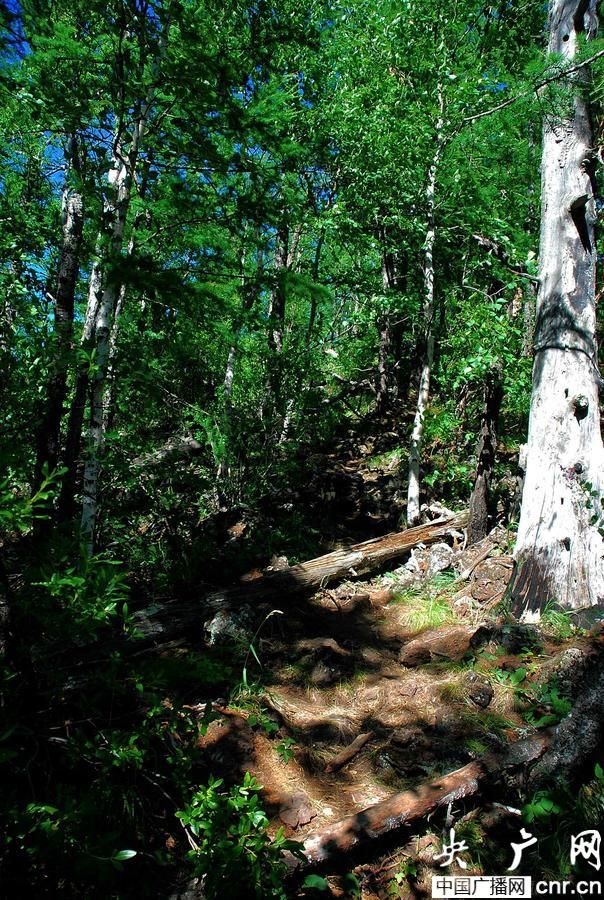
315 883
407 871
557 622
231 845
548 696
513 679
252 650
18 511
92 592
540 806
285 749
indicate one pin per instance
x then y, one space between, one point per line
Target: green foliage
229 830
315 883
17 511
285 749
513 679
262 119
407 870
540 807
427 605
557 623
89 594
548 706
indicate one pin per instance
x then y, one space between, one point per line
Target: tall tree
560 550
429 312
49 432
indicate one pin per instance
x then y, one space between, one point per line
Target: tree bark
384 379
250 296
49 433
528 318
271 407
423 392
384 374
122 175
480 501
122 179
559 550
5 610
75 423
312 314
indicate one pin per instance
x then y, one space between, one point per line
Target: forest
301 466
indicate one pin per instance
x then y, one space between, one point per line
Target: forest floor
424 678
378 685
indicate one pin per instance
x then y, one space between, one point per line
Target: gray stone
230 624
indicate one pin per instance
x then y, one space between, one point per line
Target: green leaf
315 883
121 855
518 676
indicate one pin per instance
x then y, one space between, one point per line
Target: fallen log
350 561
172 449
349 752
407 806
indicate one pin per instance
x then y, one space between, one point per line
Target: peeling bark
559 552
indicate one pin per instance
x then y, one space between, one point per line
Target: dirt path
378 686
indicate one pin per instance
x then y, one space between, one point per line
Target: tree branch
549 80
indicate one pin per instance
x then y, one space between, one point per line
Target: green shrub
232 844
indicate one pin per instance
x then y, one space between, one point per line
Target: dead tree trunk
559 550
481 512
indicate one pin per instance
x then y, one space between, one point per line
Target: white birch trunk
560 552
423 393
113 336
229 374
49 431
122 176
